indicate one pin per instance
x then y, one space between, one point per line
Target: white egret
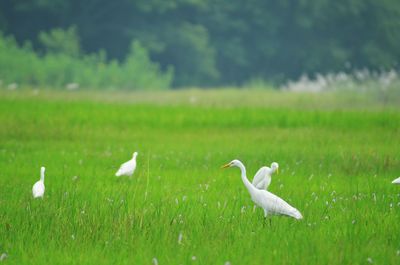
262 178
127 168
38 187
270 203
396 181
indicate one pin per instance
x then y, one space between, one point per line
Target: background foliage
63 66
214 43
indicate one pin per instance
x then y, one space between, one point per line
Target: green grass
337 155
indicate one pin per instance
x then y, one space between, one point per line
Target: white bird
396 181
127 168
271 203
262 178
38 187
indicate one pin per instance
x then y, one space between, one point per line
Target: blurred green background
160 44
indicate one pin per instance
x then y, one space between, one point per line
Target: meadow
337 153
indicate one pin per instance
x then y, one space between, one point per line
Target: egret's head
275 167
135 154
233 163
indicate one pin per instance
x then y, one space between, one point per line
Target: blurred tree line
216 42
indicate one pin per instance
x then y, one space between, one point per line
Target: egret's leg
265 213
266 217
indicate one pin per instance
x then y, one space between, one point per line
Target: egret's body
38 187
262 178
127 168
396 181
270 203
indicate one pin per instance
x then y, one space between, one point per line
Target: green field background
337 154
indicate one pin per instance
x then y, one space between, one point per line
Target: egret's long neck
42 175
246 182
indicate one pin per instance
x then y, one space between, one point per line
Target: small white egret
396 181
262 178
38 187
127 168
271 203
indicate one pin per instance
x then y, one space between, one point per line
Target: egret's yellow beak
225 166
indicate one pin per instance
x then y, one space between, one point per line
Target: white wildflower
3 256
180 236
72 86
12 86
193 99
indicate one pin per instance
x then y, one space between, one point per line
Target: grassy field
337 153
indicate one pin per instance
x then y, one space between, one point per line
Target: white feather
396 181
127 168
38 188
271 203
262 179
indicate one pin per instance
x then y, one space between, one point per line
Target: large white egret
38 187
396 181
262 178
271 203
127 168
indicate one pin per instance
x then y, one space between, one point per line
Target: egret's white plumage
396 181
271 203
38 187
262 178
127 168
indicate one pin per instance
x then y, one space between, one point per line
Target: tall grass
181 208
